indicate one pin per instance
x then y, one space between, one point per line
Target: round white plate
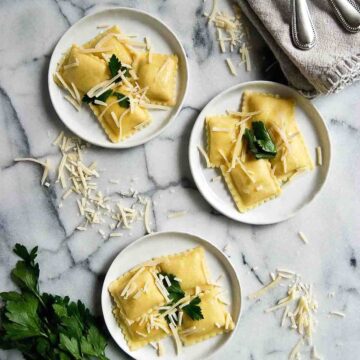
83 123
164 243
296 194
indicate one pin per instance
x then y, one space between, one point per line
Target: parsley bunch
45 326
259 141
176 293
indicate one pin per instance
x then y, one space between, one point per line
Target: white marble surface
74 263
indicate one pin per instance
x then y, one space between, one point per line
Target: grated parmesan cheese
74 64
176 338
337 313
160 349
205 156
45 165
303 237
176 214
266 288
231 66
296 350
319 159
72 102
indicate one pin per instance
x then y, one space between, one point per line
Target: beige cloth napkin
332 64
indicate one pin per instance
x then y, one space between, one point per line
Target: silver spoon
348 13
302 29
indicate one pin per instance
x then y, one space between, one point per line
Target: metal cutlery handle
348 13
302 28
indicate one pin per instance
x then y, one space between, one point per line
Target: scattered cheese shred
205 156
176 214
296 350
303 237
147 217
319 159
176 338
96 50
72 102
231 66
160 349
45 165
74 64
337 313
266 288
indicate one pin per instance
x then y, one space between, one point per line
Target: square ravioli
157 73
217 320
278 114
189 266
111 41
136 293
251 183
82 70
120 122
143 331
221 131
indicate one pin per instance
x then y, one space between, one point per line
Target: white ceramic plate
165 243
298 193
83 123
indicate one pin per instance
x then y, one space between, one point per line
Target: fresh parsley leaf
125 101
193 309
103 97
70 345
263 138
249 136
26 272
21 318
115 65
94 343
174 290
259 141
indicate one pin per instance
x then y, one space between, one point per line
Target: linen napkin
332 64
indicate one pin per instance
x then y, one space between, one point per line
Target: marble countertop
74 263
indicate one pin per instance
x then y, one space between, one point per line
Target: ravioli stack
119 83
150 301
252 181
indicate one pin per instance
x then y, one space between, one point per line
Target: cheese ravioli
251 183
278 114
120 122
217 319
221 131
158 75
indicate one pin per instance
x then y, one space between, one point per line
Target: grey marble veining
74 262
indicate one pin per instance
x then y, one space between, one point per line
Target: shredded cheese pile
298 307
231 34
79 183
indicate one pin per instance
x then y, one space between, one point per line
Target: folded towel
332 64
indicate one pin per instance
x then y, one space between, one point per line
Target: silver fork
348 13
302 28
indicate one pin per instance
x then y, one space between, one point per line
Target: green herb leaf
70 345
21 318
263 138
259 141
193 309
103 97
26 272
125 101
115 65
174 290
249 136
45 326
94 344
